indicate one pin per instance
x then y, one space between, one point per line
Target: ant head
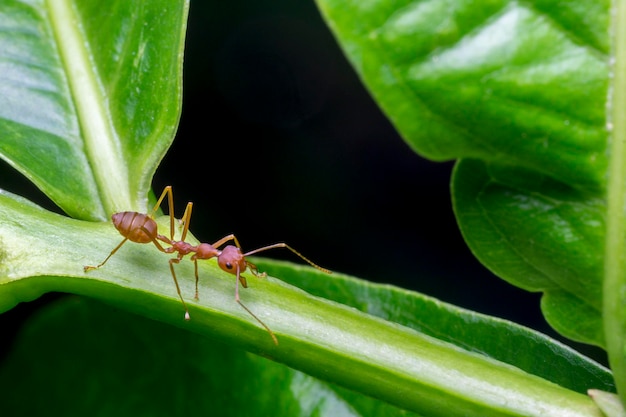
232 260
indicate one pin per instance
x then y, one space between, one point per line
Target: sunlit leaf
518 92
90 97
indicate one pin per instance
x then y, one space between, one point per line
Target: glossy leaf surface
520 89
90 97
540 235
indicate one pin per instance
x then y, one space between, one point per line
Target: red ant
142 228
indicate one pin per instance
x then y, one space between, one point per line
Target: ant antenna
286 246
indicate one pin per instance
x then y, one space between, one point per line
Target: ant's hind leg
87 268
170 207
186 219
172 262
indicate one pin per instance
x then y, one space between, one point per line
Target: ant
141 228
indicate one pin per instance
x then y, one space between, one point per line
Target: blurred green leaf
94 352
609 403
90 97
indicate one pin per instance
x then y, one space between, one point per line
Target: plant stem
615 279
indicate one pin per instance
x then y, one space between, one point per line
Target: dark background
280 141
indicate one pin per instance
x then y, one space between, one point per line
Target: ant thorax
205 251
183 248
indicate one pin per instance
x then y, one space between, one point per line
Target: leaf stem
615 278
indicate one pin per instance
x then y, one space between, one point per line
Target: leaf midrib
102 146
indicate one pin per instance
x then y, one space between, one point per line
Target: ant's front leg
255 271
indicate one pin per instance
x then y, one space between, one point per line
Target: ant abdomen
137 227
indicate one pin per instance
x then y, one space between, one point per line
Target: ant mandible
142 228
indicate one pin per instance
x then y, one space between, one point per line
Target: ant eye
229 265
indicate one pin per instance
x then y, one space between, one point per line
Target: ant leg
162 239
250 312
226 239
186 219
197 296
172 262
237 286
260 322
170 202
255 271
286 246
89 268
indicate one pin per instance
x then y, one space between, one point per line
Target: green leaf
540 235
90 97
502 81
144 367
106 68
609 403
614 294
382 359
519 91
499 339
